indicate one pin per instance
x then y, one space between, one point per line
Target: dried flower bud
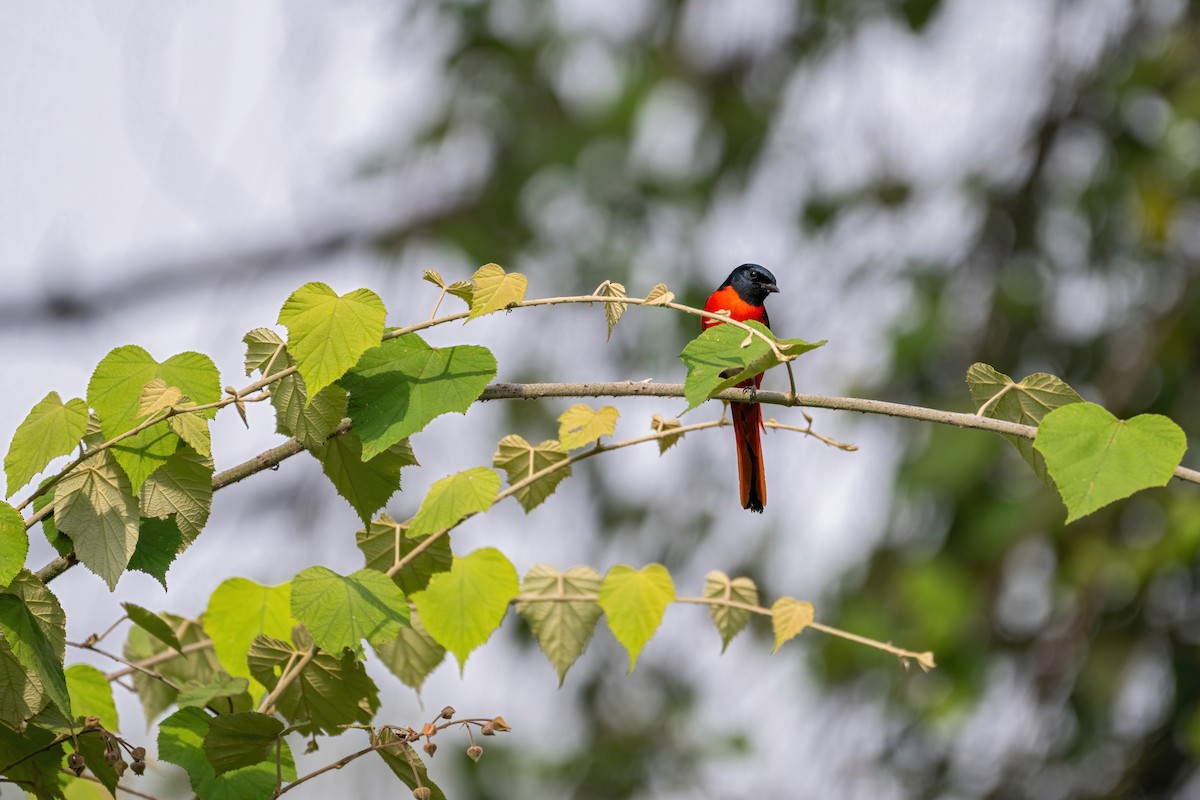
429 730
430 748
499 724
138 767
475 752
75 762
422 793
447 712
139 754
90 723
120 767
112 756
488 729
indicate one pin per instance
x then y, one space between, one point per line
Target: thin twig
290 673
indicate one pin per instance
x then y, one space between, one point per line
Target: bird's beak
772 288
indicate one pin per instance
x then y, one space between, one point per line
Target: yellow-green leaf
158 396
665 427
413 654
581 424
91 695
454 497
95 506
1026 403
183 487
115 392
14 543
327 334
521 461
729 620
612 311
789 617
52 429
634 603
659 296
495 290
461 608
563 627
240 610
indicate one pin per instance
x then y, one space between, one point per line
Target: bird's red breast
727 299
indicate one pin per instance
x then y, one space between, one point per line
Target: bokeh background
933 182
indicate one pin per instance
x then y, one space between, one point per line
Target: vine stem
924 659
290 674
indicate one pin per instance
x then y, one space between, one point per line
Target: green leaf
36 759
92 747
91 695
239 611
34 631
29 640
61 543
95 506
241 740
21 694
563 628
384 542
365 485
342 610
1026 403
725 355
158 543
413 654
220 686
1095 458
581 424
399 387
454 497
612 311
152 624
634 603
495 290
462 607
729 621
522 460
310 421
403 760
52 429
788 618
14 543
183 487
327 334
196 668
115 392
181 741
327 694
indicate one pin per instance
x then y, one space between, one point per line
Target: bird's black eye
754 275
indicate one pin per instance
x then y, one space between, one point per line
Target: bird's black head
752 283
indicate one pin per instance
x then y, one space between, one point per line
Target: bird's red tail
747 421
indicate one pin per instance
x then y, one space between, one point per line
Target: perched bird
742 295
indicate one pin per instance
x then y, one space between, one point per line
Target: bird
742 295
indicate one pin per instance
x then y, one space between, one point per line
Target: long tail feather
747 421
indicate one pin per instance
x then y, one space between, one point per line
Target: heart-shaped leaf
1095 458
